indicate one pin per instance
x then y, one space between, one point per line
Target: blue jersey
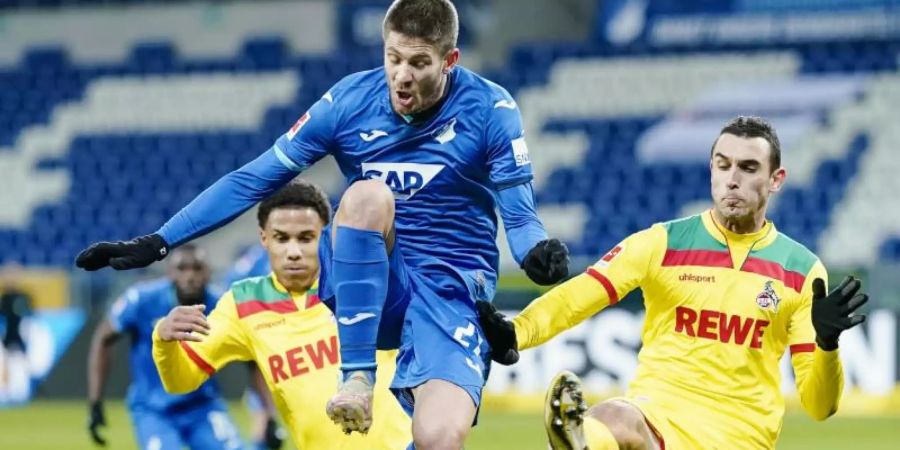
448 174
444 172
135 313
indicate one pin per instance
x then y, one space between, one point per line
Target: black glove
547 263
274 435
832 314
121 255
500 334
95 421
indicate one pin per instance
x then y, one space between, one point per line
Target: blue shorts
203 427
429 314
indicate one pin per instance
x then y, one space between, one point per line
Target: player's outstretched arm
561 308
544 260
226 199
615 275
136 253
304 144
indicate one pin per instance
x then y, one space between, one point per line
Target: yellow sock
598 436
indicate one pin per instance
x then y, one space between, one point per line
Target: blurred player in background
15 305
266 432
430 150
253 262
161 420
726 294
278 321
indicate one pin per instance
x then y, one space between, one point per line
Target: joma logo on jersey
405 179
719 326
299 360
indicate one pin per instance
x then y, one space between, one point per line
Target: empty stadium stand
107 147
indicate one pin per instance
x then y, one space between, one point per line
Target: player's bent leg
626 423
443 416
366 205
610 425
360 270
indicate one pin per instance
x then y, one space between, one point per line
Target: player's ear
451 59
262 237
776 181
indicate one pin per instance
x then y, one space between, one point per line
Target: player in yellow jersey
726 295
278 322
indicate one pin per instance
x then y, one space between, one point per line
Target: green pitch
55 425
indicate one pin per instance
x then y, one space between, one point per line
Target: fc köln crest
768 298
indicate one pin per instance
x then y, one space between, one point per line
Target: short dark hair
754 127
297 194
433 21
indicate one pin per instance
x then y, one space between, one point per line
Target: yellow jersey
721 310
292 337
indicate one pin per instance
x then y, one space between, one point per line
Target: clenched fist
184 323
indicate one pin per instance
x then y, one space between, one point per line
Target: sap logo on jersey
405 179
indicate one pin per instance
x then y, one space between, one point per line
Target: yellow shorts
681 425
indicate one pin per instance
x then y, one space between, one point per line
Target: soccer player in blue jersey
161 420
429 149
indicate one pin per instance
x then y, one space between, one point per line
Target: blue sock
360 273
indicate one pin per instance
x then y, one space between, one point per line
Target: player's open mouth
404 98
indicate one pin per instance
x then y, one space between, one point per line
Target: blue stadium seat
153 58
115 179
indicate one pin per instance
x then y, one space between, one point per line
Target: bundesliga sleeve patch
610 255
520 152
298 125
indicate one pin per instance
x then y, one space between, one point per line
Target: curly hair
297 194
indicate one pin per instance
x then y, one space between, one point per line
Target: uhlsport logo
405 179
768 297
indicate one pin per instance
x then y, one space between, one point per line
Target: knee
367 204
439 436
625 422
